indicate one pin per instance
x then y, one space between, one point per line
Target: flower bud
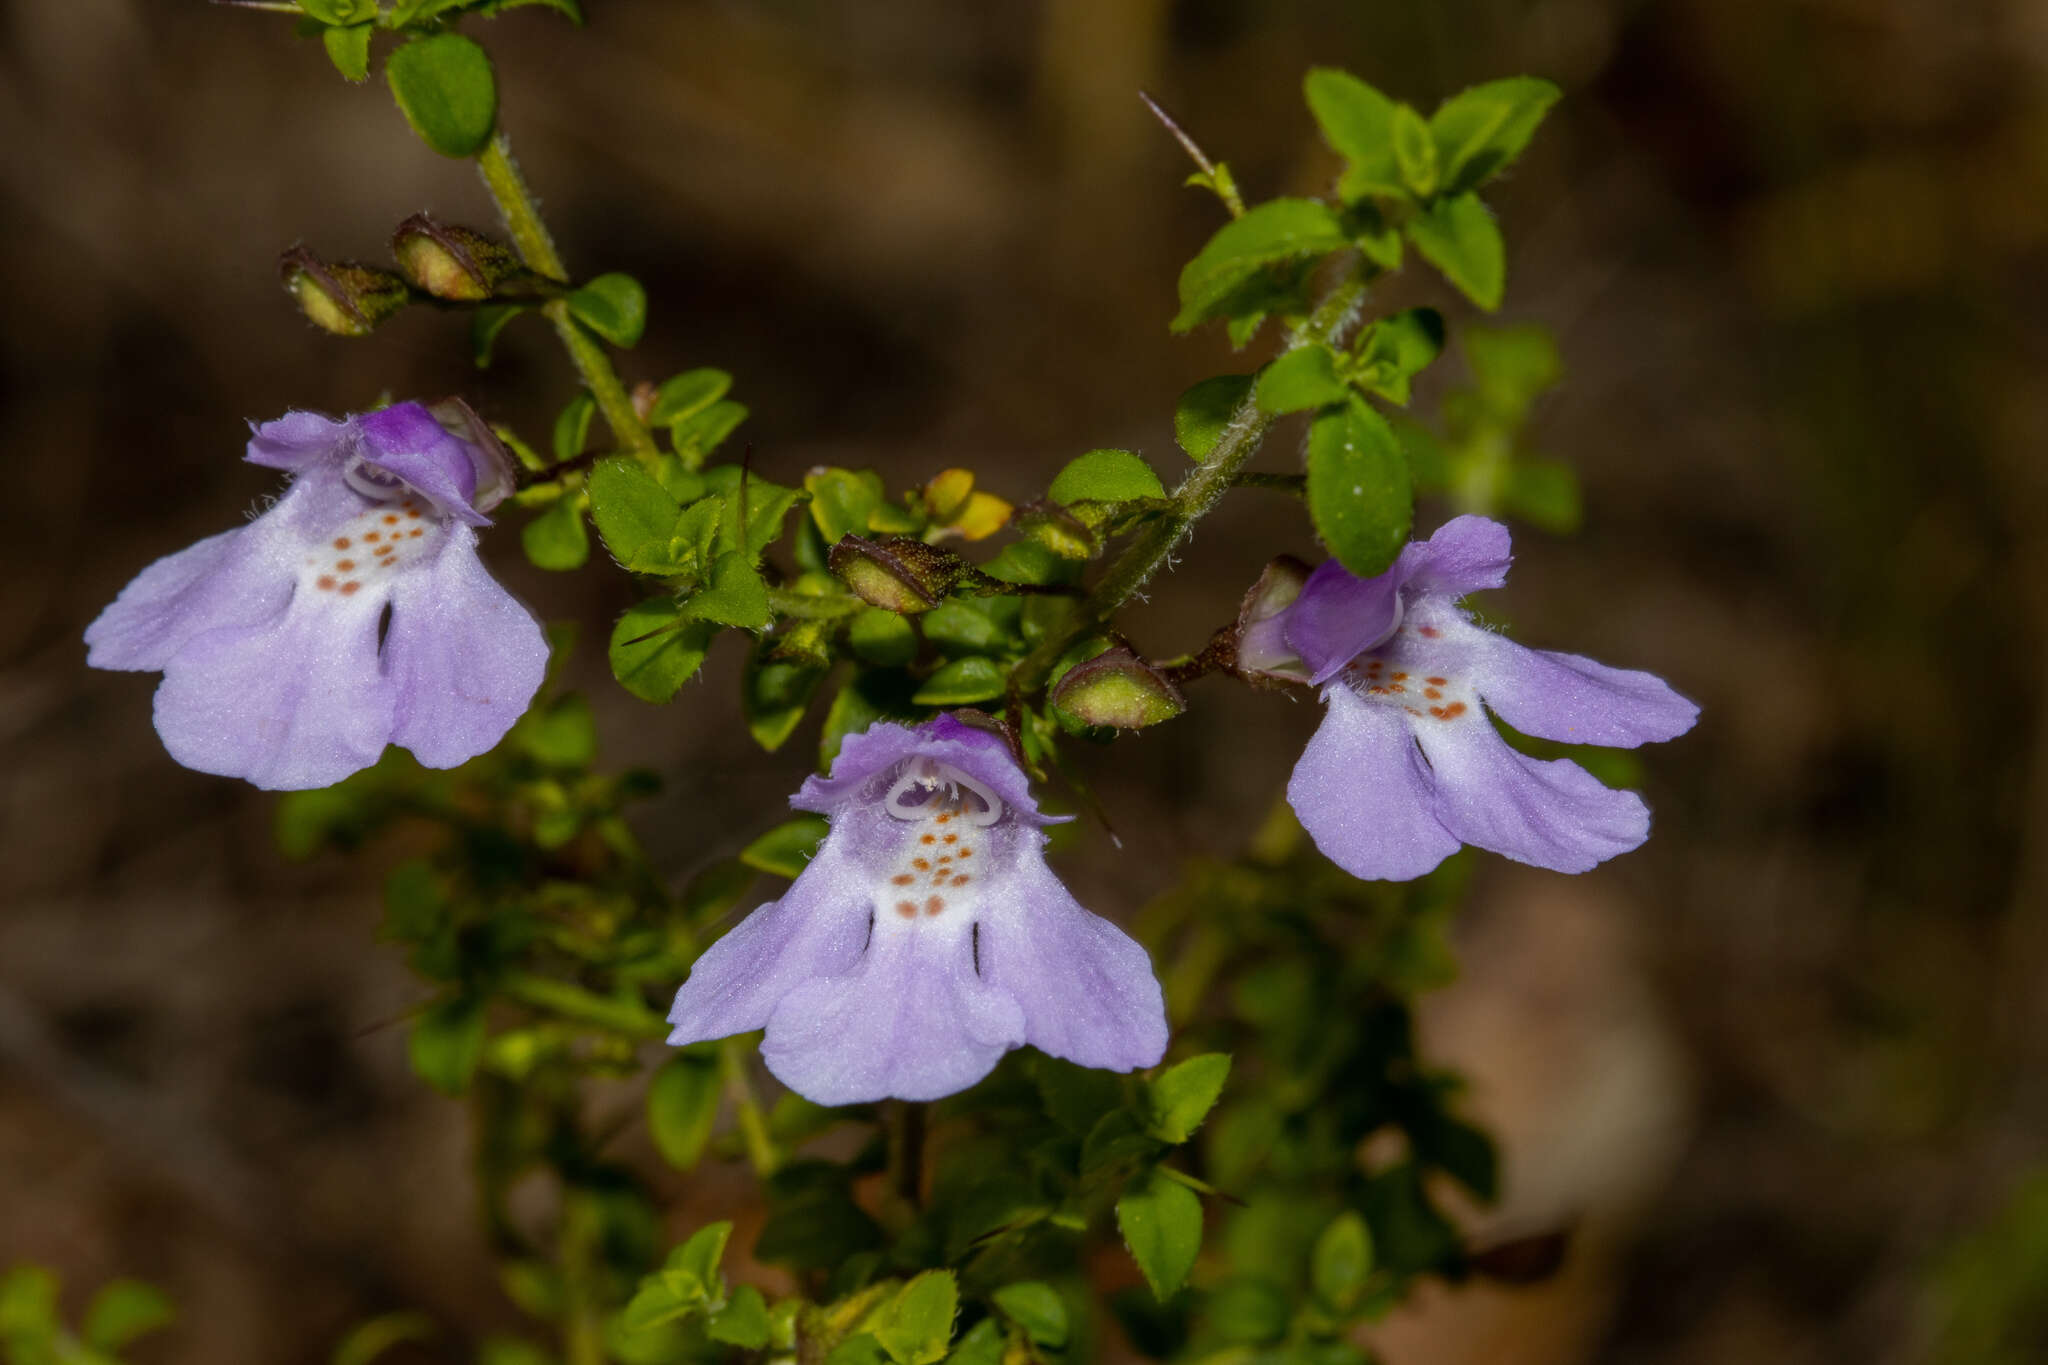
449 262
899 574
1117 688
1262 650
344 298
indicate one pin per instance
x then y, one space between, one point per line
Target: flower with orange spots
926 938
1406 766
352 614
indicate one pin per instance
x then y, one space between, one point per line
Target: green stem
573 1002
906 1157
761 1153
583 1313
1197 495
536 247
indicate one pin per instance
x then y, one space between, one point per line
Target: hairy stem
906 1155
536 247
1197 495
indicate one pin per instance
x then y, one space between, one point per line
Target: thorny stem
521 213
1197 495
761 1153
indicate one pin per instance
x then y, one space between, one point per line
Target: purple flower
352 614
1406 766
926 938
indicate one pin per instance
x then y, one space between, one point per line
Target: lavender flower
1406 766
351 614
926 938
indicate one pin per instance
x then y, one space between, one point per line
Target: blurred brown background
1773 1064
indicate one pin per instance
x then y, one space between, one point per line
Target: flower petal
1364 794
462 656
1467 554
1085 987
1550 814
297 439
1340 615
1571 698
978 753
817 928
404 439
911 1022
288 703
223 580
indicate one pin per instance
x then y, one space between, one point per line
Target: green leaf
1459 237
636 516
842 501
735 595
447 1042
28 1302
511 1351
340 11
563 734
743 1322
687 394
1545 494
1305 377
1206 409
1478 133
1358 488
557 538
1277 231
774 697
1182 1095
858 1349
614 306
917 1327
982 1345
1512 365
124 1310
572 426
1358 123
349 49
1342 1261
1038 1309
485 324
1394 349
699 1256
703 431
368 1340
653 652
1161 1220
786 850
682 1103
961 683
881 637
446 90
1105 476
1414 152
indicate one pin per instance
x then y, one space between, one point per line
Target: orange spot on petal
1428 632
928 838
1437 682
344 564
349 587
903 879
324 583
1451 712
921 864
933 905
1432 694
962 881
342 543
907 909
390 519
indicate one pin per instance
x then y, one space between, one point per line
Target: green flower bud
1117 688
449 262
899 574
344 298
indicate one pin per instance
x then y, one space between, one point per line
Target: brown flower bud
342 297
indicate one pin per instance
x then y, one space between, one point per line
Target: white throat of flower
944 858
361 555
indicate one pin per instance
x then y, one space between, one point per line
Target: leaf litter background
1772 1067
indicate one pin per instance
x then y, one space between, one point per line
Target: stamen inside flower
929 790
373 482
